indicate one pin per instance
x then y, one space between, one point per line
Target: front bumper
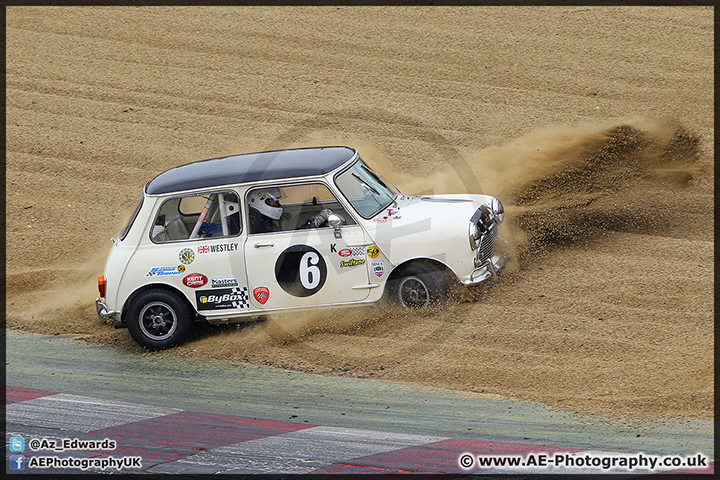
487 270
102 311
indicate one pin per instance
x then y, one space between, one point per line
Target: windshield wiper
380 178
366 184
402 195
374 175
370 187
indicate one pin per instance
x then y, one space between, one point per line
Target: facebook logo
17 444
17 462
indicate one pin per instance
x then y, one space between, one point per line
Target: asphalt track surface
184 416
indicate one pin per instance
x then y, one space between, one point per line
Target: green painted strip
63 364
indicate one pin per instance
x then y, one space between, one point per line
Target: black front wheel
419 286
158 319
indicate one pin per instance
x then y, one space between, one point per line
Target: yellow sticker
186 256
373 251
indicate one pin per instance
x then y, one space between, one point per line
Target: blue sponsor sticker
165 271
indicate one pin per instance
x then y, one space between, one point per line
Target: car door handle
260 245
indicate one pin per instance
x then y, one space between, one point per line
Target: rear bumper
102 311
485 271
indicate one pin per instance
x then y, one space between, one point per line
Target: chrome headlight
479 224
474 235
498 210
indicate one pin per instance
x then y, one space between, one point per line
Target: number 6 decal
309 272
300 270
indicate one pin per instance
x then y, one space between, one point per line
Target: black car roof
250 167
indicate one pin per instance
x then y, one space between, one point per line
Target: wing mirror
335 221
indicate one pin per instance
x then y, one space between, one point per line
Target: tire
419 286
158 319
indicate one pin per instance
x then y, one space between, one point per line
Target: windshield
364 189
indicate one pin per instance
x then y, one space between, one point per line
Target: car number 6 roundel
301 271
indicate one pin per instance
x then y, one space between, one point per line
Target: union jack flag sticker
203 249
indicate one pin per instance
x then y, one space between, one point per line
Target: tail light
101 286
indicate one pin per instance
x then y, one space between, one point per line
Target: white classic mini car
235 238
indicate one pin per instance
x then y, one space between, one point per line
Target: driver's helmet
266 203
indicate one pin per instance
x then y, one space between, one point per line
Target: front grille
487 244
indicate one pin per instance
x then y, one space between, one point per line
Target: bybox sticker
222 298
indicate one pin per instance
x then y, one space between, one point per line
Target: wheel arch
157 286
424 262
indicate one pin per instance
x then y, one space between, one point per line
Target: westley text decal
218 247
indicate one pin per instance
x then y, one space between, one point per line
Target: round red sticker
345 252
195 280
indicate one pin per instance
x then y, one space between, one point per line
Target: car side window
206 215
293 207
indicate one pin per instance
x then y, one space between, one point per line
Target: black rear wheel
158 319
